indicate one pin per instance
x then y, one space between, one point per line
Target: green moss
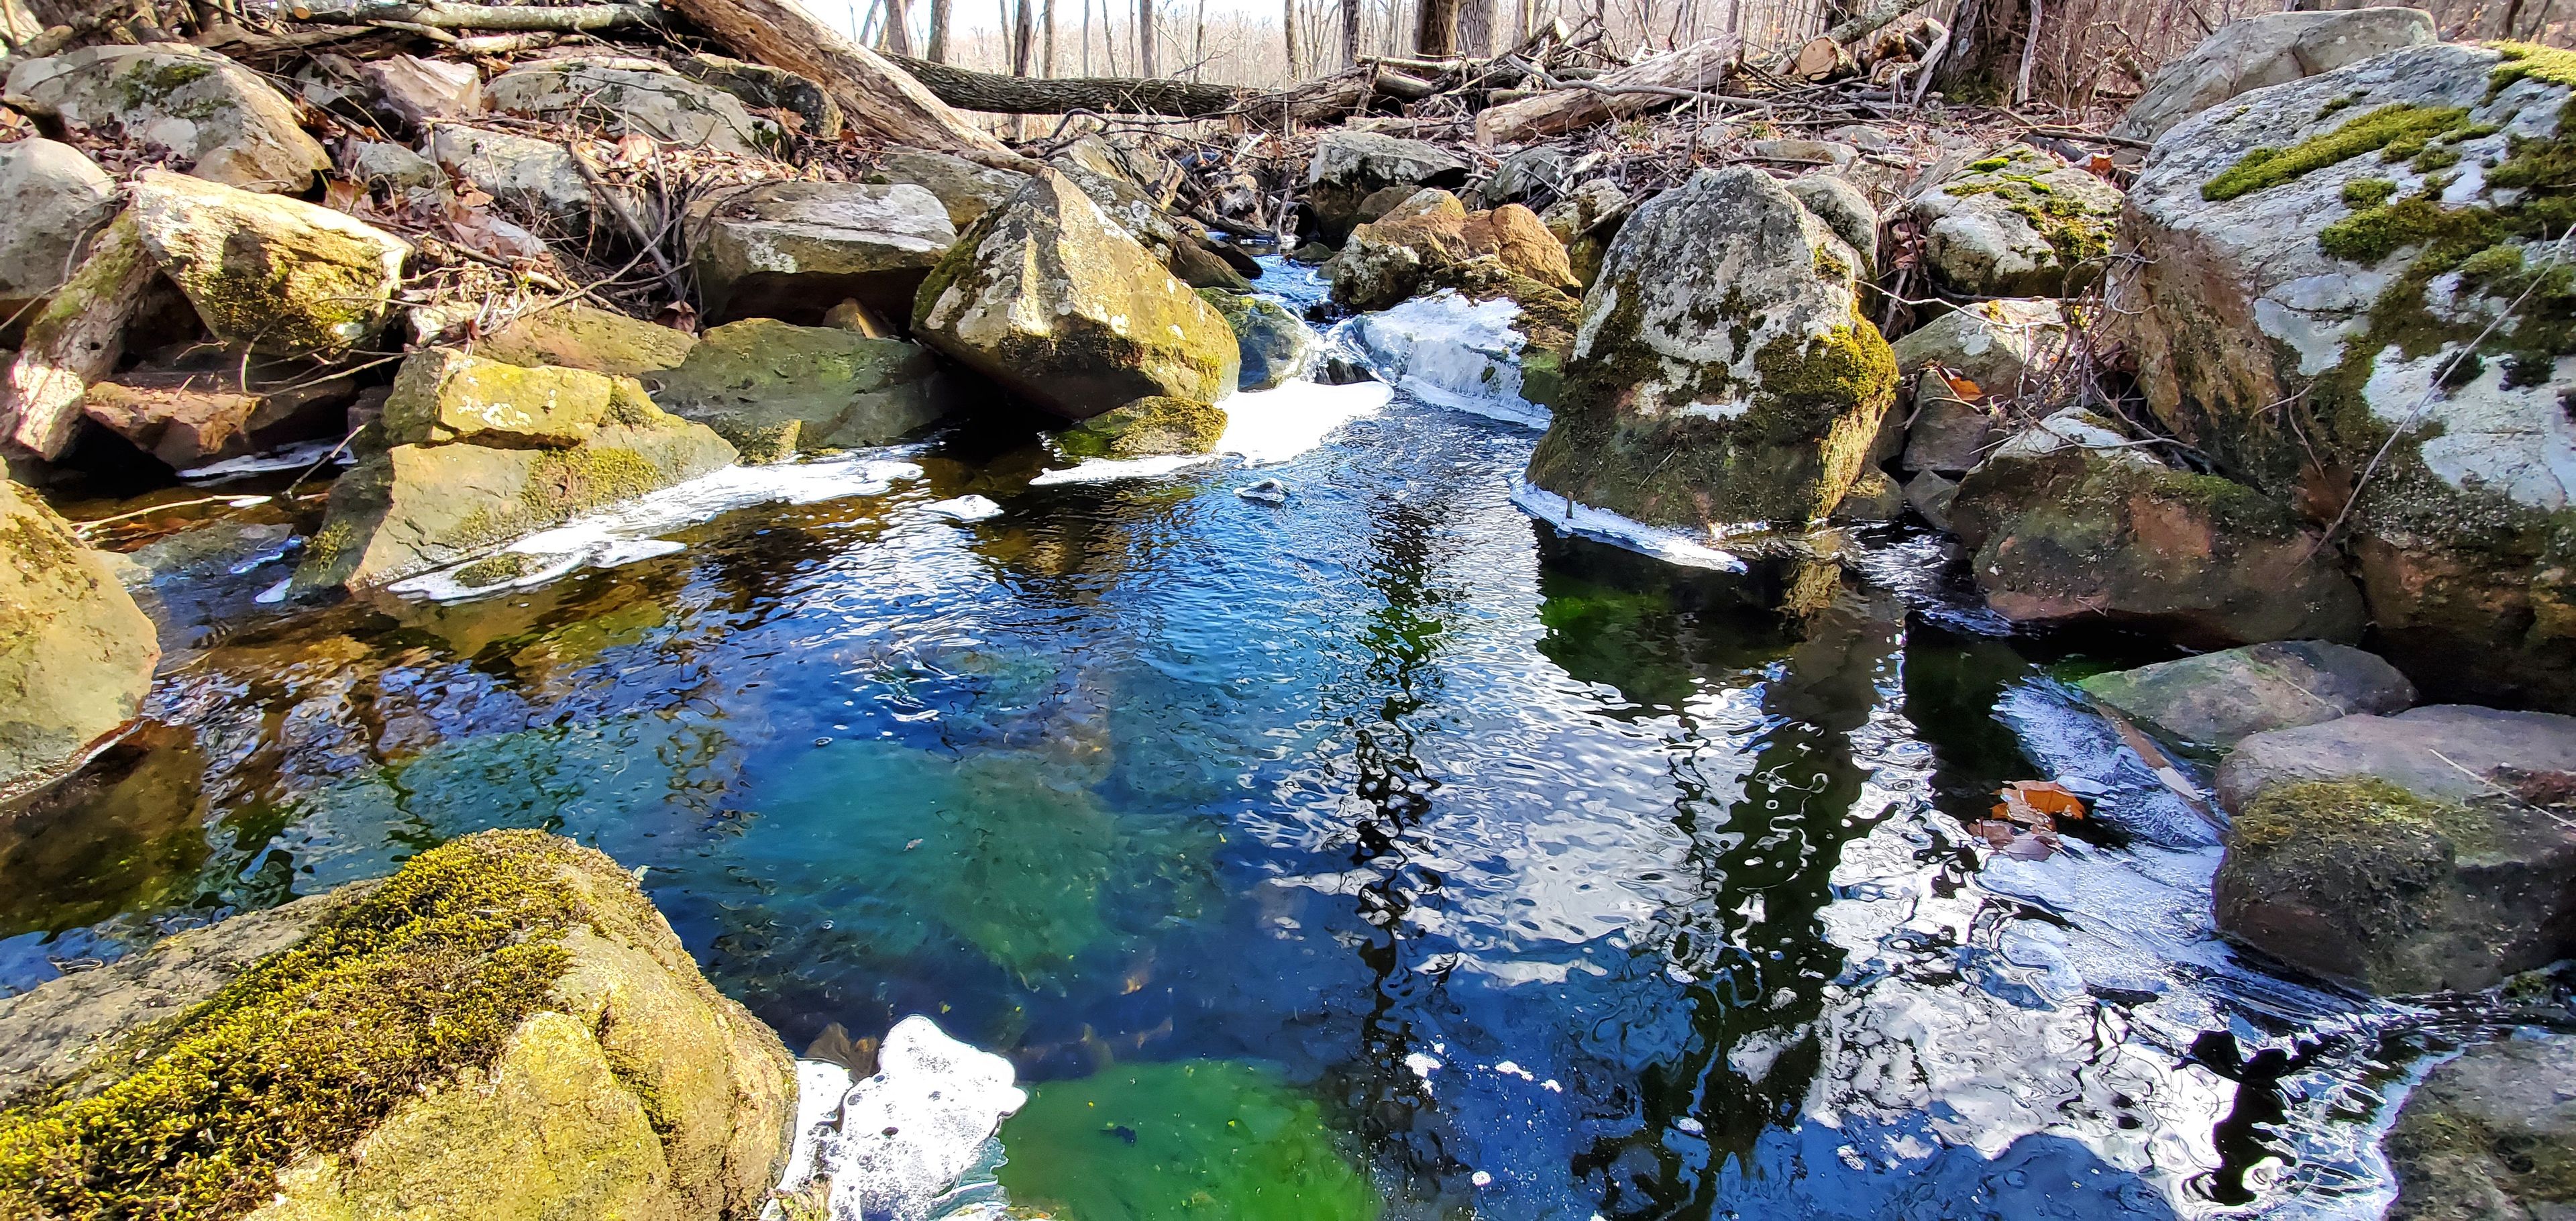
2436 158
2373 234
496 569
2492 264
1847 366
1989 165
2336 103
1145 428
2530 61
2367 192
2266 167
2321 819
302 1054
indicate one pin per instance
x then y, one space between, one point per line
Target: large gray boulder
620 95
53 196
2072 522
535 179
2267 49
76 653
2439 750
2016 223
2215 699
2490 1136
2315 264
966 189
1181 248
218 118
795 249
761 87
1722 373
1349 166
273 274
772 388
1054 300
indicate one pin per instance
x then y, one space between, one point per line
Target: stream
1381 852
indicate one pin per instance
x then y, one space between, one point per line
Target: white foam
1668 545
1447 351
628 532
1262 427
907 1135
292 457
964 508
820 1086
1104 470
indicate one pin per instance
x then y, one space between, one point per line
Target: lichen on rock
2019 223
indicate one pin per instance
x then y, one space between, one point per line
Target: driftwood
75 341
518 18
992 92
878 98
1691 72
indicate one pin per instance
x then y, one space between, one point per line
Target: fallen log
76 340
994 93
515 18
876 97
1690 72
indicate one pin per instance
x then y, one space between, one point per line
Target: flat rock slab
2443 751
2216 699
2490 1135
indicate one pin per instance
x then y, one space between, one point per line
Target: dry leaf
1965 390
342 195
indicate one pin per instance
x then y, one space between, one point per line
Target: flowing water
1375 853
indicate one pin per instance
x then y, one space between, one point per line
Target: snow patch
1447 351
292 457
896 1146
964 508
1668 545
1262 427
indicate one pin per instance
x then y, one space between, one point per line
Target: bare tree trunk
1024 36
1350 32
1435 29
1288 31
1047 19
1086 38
1145 39
1198 41
939 31
898 27
1476 27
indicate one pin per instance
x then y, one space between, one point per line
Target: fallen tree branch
878 98
994 93
1689 74
516 18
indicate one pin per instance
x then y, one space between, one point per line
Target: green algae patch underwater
1210 1140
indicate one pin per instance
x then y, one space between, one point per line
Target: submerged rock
578 336
76 653
1349 166
1722 373
1275 345
2217 698
1051 298
514 1033
1146 428
771 388
1398 255
2070 522
53 196
619 95
2490 1136
2267 49
2316 262
966 189
2018 223
266 272
218 118
793 249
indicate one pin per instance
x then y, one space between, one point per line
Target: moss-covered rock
1585 221
2340 275
764 385
273 274
577 336
1057 302
2070 522
2490 1136
220 120
1995 344
1146 428
2215 699
966 189
1722 373
2267 49
2019 223
794 249
443 395
504 1029
76 653
1275 344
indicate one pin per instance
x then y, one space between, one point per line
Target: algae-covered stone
622 96
2316 262
415 508
2018 223
966 189
76 654
1055 301
274 274
771 388
53 196
513 1033
2490 1136
1722 373
2070 523
215 116
1146 428
2267 49
2215 699
1349 166
794 249
578 336
1275 344
443 395
1182 250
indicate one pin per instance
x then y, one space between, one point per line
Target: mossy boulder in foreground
76 653
1722 373
2490 1136
266 272
505 1029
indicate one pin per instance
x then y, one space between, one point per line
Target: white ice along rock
1447 351
1262 428
905 1137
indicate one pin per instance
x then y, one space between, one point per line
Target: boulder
392 166
772 388
76 654
1945 432
1149 427
2439 751
2215 699
1275 345
1392 258
515 1034
1541 172
535 179
190 417
2312 260
2490 1136
619 96
1992 343
273 274
2070 522
1055 301
1348 166
793 249
1585 221
1722 373
2018 223
214 116
54 196
1929 495
761 87
966 189
1185 253
1845 211
1829 153
578 336
2267 49
484 453
1873 497
420 92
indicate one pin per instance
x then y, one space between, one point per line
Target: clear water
1495 874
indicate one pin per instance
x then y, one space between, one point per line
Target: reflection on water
1530 878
